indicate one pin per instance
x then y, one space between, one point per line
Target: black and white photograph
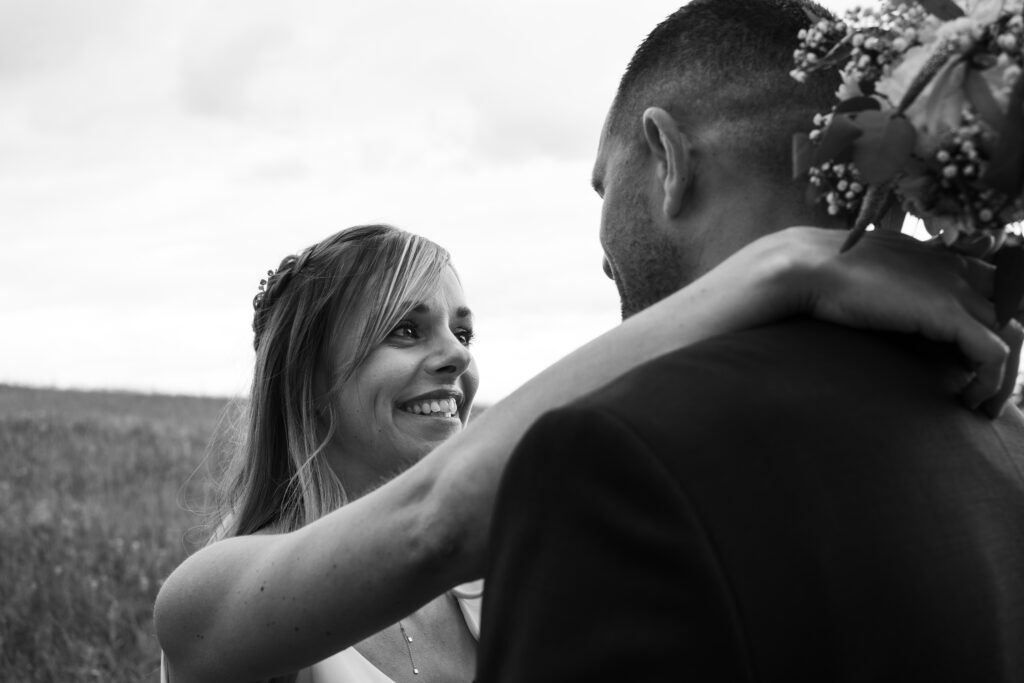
378 341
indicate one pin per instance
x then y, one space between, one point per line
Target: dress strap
164 677
469 597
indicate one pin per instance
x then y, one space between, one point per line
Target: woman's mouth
435 407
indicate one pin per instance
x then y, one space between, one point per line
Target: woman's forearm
756 287
888 283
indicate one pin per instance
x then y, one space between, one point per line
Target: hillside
101 495
95 498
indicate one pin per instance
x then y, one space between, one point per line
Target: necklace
408 647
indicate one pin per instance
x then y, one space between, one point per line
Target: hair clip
257 301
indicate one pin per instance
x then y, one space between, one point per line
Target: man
797 502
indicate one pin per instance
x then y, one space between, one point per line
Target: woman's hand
896 283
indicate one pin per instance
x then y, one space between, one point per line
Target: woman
363 369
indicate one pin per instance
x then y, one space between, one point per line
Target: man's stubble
648 265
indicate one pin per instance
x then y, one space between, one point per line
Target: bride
327 566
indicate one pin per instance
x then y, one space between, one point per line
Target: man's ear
672 153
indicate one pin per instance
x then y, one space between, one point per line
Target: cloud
493 83
156 159
219 68
39 36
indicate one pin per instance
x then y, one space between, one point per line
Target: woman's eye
404 330
465 336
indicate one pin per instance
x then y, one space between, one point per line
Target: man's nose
607 266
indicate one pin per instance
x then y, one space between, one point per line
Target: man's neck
744 212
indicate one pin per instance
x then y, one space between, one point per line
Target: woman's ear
673 155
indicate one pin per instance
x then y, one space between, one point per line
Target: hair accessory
929 120
257 301
270 285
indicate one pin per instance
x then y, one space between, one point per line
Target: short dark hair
726 63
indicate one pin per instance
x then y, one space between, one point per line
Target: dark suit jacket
799 502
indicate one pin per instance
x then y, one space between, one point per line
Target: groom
797 502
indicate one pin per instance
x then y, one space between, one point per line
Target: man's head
695 159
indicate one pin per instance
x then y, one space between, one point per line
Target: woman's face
413 392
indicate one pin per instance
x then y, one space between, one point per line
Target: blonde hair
356 285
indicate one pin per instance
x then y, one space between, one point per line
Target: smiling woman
362 368
345 332
411 393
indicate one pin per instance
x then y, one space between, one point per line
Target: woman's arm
250 607
888 282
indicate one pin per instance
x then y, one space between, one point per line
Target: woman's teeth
441 407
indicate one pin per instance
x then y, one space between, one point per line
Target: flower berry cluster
939 163
1002 45
1005 32
868 42
877 43
958 166
816 42
839 185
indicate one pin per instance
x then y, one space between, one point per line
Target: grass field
98 501
95 498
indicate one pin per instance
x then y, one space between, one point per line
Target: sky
157 158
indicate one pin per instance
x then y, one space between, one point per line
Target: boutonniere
929 119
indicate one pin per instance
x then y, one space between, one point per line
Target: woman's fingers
892 281
987 353
981 245
981 276
971 318
1013 335
995 355
965 317
997 358
978 306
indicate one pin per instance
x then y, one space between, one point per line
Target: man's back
794 502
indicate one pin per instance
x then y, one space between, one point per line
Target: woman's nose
453 357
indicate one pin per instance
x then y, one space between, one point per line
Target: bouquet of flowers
929 119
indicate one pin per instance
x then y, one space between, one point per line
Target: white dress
348 666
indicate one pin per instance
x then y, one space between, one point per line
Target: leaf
876 200
892 218
980 95
837 138
803 153
1006 172
857 104
856 232
837 55
945 103
940 9
1009 282
871 122
936 63
885 146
